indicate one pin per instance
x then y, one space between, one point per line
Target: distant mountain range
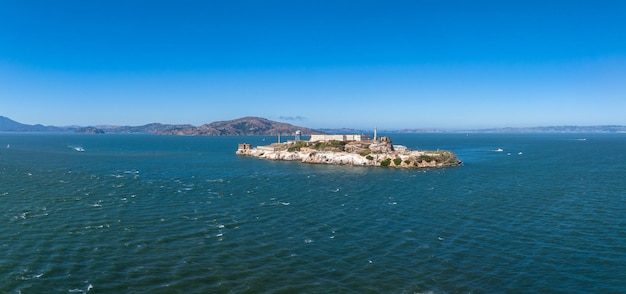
546 129
543 129
248 126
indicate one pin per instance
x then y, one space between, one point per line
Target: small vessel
499 150
520 153
79 149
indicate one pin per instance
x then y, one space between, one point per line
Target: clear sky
390 64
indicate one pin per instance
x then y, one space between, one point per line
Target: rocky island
357 150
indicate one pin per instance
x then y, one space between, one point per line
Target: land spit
357 153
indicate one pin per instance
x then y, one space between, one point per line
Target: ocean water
164 214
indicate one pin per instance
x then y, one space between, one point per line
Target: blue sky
390 64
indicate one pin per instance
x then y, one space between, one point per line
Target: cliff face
356 157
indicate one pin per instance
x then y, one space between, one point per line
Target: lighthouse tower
375 138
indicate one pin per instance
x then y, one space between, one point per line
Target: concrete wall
315 138
267 148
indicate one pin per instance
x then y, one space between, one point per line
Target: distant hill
153 128
246 126
9 125
239 127
89 130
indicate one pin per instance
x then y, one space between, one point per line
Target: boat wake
77 148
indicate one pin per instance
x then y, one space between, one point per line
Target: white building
344 138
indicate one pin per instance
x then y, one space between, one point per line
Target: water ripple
170 221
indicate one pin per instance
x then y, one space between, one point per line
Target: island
356 150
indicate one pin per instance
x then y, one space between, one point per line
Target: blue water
161 214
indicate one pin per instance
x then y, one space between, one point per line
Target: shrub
446 157
386 162
365 152
297 146
369 157
425 158
397 161
334 144
407 161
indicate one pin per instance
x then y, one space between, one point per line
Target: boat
79 149
499 150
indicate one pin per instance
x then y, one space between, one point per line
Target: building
344 138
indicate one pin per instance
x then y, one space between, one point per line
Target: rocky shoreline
358 153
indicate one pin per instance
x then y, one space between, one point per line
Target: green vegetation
446 157
397 161
426 158
330 145
385 162
365 152
439 156
369 157
407 162
297 146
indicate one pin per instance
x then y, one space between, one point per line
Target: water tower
298 134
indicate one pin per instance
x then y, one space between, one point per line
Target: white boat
499 150
79 149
